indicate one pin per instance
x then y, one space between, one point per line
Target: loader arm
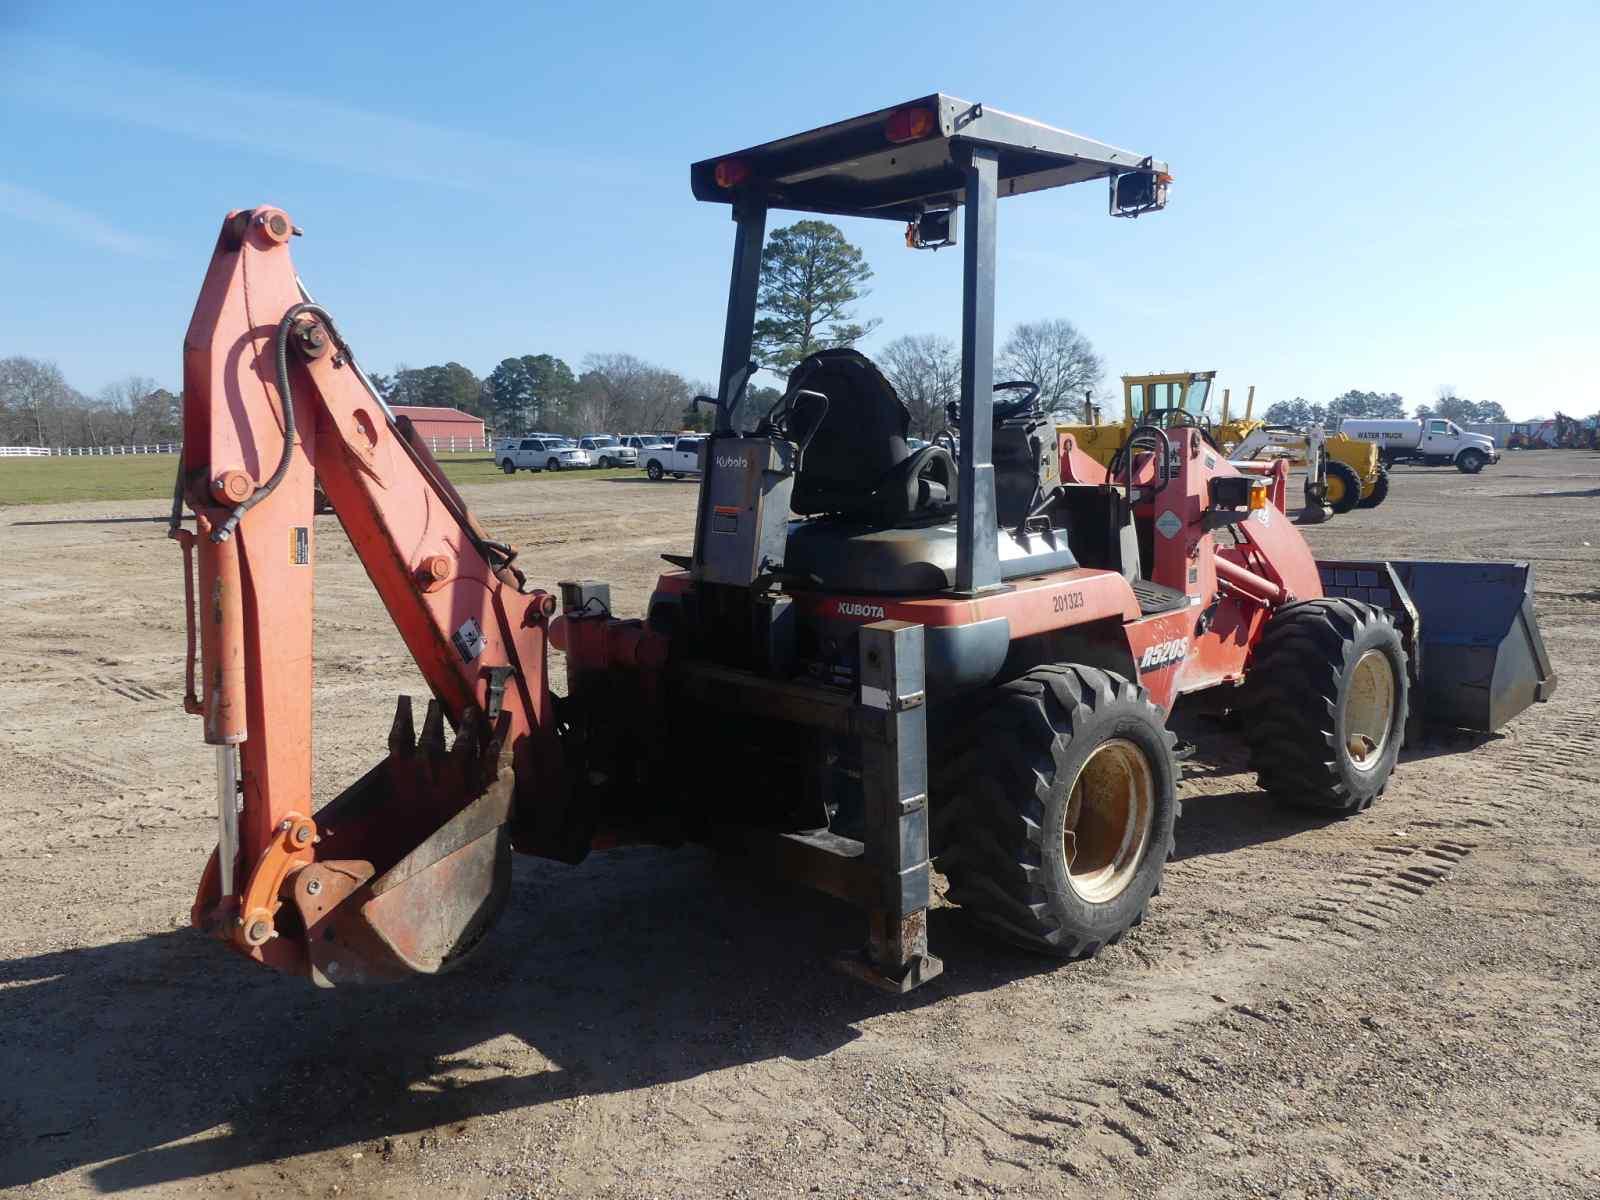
405 869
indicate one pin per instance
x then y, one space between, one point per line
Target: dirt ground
1402 1004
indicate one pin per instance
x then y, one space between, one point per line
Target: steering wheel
1002 412
1181 418
1174 418
1015 408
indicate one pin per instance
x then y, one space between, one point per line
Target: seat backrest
855 442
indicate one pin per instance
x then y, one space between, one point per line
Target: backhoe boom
273 401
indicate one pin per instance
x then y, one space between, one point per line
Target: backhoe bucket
381 918
1480 657
412 865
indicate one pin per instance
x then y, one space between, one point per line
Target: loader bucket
1480 659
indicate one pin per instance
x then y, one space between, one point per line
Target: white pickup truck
681 458
538 452
1432 440
609 451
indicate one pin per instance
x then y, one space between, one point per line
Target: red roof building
442 424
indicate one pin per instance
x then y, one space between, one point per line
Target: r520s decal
1164 654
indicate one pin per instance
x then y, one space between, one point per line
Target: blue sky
1382 196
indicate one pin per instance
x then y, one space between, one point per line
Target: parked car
680 458
608 450
646 441
539 452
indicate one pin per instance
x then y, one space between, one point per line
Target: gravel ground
1402 1004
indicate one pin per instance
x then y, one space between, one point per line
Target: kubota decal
852 608
1164 654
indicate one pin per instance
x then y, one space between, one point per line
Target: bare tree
1054 355
620 392
113 419
926 370
34 398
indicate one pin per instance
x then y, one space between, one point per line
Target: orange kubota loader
895 659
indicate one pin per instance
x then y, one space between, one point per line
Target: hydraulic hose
285 395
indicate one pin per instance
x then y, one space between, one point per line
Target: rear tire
1328 696
653 469
1344 486
509 467
1065 756
1380 489
1471 462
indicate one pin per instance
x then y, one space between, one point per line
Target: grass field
149 477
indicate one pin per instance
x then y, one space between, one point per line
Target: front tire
1328 696
1380 489
1470 462
553 464
605 464
1053 809
653 469
1344 486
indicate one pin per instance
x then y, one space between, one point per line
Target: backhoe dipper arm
273 401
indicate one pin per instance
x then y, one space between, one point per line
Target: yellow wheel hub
1110 816
1369 709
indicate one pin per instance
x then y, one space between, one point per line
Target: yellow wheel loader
1355 477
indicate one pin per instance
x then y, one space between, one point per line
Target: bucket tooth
432 739
403 732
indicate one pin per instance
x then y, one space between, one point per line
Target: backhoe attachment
403 872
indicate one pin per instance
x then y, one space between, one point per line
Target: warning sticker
299 545
1169 524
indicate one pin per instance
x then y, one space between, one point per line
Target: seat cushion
853 441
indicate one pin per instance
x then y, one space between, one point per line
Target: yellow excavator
1355 477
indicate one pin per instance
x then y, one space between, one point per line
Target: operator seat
856 463
882 516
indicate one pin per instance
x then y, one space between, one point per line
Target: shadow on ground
638 968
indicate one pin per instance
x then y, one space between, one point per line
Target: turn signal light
731 172
1258 496
909 124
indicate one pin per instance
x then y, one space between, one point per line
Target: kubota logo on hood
853 608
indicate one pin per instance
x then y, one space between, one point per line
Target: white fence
458 445
439 445
77 451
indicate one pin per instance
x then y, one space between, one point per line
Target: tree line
1382 405
610 393
38 407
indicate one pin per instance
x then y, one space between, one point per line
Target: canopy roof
853 168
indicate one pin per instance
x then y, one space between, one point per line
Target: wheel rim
1369 709
1335 488
1109 816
